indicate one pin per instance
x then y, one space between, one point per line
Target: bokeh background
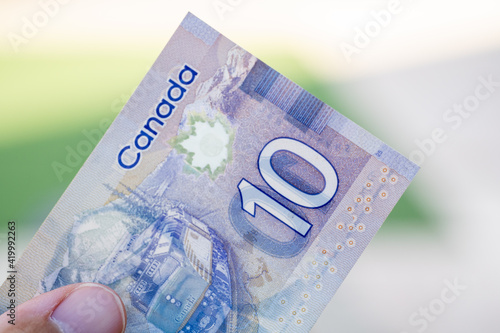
67 67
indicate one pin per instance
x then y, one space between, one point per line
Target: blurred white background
395 67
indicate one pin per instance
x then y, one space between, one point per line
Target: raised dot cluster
317 266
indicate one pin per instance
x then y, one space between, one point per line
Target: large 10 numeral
251 196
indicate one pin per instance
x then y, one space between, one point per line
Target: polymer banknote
223 198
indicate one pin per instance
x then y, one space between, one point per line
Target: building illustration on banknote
175 272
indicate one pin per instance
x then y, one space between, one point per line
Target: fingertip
90 307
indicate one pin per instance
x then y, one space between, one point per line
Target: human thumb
77 308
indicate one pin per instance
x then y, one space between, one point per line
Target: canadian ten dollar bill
223 198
